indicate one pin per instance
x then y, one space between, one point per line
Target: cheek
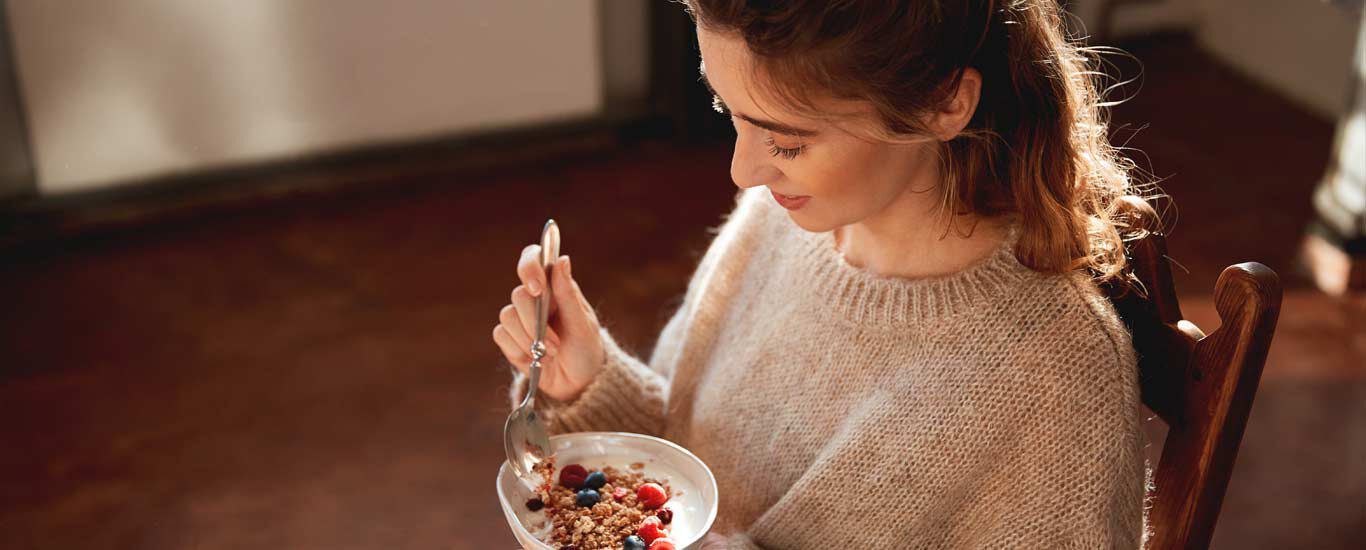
860 183
820 176
837 199
842 181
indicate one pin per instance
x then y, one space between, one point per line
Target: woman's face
847 179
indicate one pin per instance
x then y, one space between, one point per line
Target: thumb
569 298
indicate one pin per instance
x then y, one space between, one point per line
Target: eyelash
789 154
773 148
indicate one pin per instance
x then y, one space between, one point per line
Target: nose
749 165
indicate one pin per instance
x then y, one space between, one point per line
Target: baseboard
37 219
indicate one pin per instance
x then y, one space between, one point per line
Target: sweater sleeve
630 394
1087 472
1082 482
1057 463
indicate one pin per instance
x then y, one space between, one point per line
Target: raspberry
651 529
572 476
620 493
651 495
663 544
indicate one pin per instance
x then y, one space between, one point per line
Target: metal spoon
524 436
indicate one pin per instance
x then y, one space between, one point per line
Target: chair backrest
1201 385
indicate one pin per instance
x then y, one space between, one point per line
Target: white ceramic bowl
694 510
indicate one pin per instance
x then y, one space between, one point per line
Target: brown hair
1037 143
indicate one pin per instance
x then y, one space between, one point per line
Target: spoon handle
550 250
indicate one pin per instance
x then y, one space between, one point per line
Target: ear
955 115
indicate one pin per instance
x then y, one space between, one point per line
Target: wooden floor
317 372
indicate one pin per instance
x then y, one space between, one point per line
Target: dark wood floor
318 373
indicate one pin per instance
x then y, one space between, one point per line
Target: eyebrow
765 124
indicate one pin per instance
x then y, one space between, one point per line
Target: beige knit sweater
993 408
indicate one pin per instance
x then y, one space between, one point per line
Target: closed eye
774 149
785 152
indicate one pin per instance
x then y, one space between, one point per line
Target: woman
897 338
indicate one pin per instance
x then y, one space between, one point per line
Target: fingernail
568 268
534 288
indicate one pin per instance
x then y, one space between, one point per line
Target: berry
633 543
651 529
534 504
572 476
595 480
620 493
665 515
651 495
663 544
586 497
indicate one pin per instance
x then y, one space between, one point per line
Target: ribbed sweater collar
863 297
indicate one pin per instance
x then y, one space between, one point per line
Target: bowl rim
711 482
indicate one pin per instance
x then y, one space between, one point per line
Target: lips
790 202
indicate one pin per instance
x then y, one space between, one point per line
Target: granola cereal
586 523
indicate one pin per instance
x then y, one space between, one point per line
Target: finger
513 325
552 338
530 271
511 351
525 305
568 296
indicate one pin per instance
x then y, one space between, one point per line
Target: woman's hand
574 353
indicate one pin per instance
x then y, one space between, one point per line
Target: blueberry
633 543
586 497
595 480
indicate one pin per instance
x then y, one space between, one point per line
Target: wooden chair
1201 385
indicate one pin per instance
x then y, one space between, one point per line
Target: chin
808 224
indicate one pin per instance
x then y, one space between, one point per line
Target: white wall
1137 18
1300 48
118 90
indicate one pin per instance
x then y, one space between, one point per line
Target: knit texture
996 407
